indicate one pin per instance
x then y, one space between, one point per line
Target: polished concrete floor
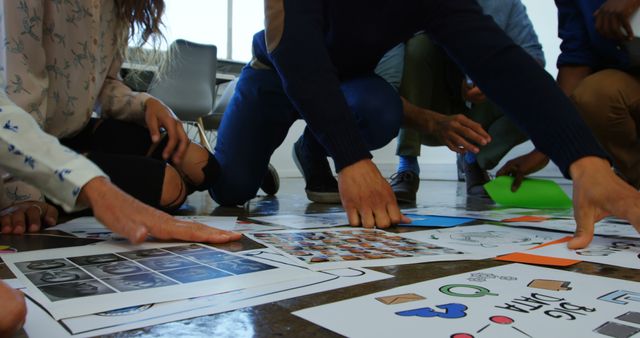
275 319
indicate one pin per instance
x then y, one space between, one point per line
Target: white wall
544 18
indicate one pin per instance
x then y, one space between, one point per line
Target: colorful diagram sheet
485 240
603 250
355 247
307 221
507 301
497 215
607 227
39 323
77 281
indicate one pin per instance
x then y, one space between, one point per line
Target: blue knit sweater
318 43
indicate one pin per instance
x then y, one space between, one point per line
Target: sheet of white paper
89 227
308 221
485 240
604 250
92 325
495 215
77 281
354 247
608 227
507 301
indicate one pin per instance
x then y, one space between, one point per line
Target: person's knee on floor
174 191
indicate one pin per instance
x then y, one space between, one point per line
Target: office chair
188 85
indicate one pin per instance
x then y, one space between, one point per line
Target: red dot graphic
461 335
501 320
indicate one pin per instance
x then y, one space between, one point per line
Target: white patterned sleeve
26 151
118 101
15 191
38 158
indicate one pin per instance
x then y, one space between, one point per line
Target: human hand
157 115
27 216
459 133
13 311
522 166
135 220
471 92
367 197
613 19
597 193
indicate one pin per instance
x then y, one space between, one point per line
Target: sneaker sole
405 197
314 196
273 187
323 197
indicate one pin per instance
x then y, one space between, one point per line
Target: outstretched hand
135 220
522 166
613 19
157 115
27 216
598 192
367 197
459 133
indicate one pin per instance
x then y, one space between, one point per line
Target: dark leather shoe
271 181
405 186
476 178
321 186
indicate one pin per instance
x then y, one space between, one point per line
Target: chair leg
203 136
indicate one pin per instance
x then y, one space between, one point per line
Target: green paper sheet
533 193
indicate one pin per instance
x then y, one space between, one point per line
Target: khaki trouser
609 101
432 80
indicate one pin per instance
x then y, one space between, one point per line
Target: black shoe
459 160
476 178
271 181
405 186
321 186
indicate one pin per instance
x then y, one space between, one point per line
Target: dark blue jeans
260 114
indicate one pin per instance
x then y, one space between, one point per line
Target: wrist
92 191
431 121
589 165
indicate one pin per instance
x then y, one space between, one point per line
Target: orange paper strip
526 219
520 257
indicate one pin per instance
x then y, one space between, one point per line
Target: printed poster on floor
40 324
354 247
486 240
77 281
508 301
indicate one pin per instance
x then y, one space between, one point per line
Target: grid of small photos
74 277
349 245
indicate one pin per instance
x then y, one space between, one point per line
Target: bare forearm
420 119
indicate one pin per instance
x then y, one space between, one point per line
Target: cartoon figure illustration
451 311
606 250
493 239
548 284
500 320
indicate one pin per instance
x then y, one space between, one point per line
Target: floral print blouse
59 64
